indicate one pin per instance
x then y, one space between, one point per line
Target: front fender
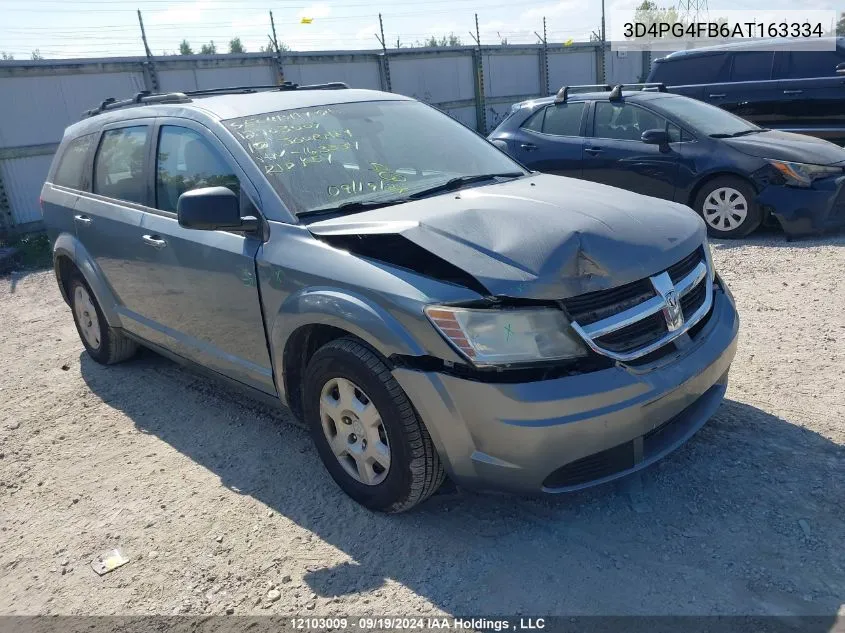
344 310
67 245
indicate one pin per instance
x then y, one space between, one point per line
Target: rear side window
119 166
71 169
813 63
562 119
752 66
188 161
690 70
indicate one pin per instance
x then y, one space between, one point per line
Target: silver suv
425 304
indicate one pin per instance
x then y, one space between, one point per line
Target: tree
208 49
235 46
6 56
445 40
185 48
36 55
840 26
269 48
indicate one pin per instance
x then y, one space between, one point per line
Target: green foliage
36 55
840 26
208 49
35 250
443 41
6 56
235 46
185 48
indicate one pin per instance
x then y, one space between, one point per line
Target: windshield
321 157
704 117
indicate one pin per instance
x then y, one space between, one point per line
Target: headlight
803 174
499 337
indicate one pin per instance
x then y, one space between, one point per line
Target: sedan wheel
725 209
354 429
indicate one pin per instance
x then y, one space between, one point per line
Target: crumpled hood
540 237
788 146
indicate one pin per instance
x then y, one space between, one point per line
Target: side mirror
840 69
212 209
655 137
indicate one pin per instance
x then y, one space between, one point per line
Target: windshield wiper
353 207
460 181
740 133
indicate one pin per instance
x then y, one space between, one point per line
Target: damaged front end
559 292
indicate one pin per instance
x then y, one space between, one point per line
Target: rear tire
728 208
103 343
361 421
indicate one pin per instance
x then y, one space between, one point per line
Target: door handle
593 150
792 92
84 219
528 147
154 240
717 95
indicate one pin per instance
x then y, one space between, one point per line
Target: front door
615 155
202 300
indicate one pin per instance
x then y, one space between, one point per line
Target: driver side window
627 122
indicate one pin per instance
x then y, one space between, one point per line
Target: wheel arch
69 257
311 318
710 177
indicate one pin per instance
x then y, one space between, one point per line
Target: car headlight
803 174
510 335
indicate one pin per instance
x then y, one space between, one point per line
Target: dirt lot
223 505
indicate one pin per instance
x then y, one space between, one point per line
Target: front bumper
804 211
570 433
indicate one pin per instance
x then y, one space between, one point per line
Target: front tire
728 207
365 429
103 343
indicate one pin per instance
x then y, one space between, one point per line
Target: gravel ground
222 505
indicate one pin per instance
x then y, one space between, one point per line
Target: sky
108 28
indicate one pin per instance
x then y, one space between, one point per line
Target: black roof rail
146 97
335 85
615 91
563 93
140 98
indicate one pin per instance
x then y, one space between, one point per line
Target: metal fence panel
571 68
436 78
36 110
357 74
23 178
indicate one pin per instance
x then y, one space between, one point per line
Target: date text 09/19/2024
417 623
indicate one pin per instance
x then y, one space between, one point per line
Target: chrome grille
630 321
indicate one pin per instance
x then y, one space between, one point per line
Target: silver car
425 304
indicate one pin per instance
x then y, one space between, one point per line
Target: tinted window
72 163
752 66
119 166
624 121
563 119
703 117
322 156
187 161
701 69
535 121
813 63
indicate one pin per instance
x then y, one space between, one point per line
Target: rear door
551 139
202 298
108 219
752 93
615 155
812 95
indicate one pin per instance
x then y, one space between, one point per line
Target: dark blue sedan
735 174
